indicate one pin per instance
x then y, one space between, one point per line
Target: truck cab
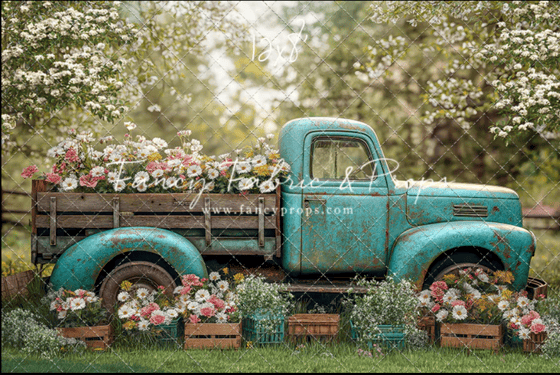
345 213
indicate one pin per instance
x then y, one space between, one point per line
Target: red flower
29 171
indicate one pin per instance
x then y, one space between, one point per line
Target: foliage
211 300
551 346
79 167
472 296
21 329
55 54
386 302
269 300
77 308
512 46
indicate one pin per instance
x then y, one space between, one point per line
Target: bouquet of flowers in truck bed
141 165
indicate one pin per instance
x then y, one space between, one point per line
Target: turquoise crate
171 334
253 331
391 337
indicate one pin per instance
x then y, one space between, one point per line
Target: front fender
416 249
81 264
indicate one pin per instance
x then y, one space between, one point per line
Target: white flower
459 312
143 325
160 143
172 313
141 177
170 182
184 133
157 173
522 302
184 298
98 171
194 171
503 305
119 185
77 304
192 305
62 314
69 183
202 295
441 315
266 186
524 333
142 293
172 163
425 295
450 296
155 108
223 285
213 173
214 276
123 296
270 136
258 161
243 167
130 125
126 311
246 184
221 317
178 289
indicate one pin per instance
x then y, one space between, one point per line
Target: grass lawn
314 357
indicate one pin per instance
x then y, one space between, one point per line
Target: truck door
345 207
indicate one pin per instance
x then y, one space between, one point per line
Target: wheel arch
85 263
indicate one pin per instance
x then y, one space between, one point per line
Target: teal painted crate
171 334
390 337
254 332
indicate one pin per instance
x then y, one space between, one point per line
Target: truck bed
217 224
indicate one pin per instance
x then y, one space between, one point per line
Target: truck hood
438 202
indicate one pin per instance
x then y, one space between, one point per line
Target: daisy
222 318
524 333
522 302
157 173
449 296
459 312
502 305
192 305
184 298
77 304
142 293
213 173
178 289
258 161
202 295
245 184
98 171
111 177
223 285
442 315
214 276
119 185
143 325
172 313
266 187
141 177
123 296
243 167
69 184
125 311
194 171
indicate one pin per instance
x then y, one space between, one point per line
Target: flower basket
171 334
536 287
313 325
96 337
428 324
16 284
473 336
254 331
212 335
391 337
534 342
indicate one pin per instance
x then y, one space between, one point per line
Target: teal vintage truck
339 213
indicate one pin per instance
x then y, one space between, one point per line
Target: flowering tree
57 54
499 59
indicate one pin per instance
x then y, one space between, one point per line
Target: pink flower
514 326
157 319
231 309
53 178
194 319
208 312
528 319
151 167
436 308
88 181
145 312
161 287
185 290
71 156
458 303
218 303
153 307
60 169
538 328
29 171
188 280
438 285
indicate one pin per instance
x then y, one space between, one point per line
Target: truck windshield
330 157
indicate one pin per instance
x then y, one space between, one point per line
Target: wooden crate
98 337
536 287
16 284
313 326
212 335
534 342
428 324
473 336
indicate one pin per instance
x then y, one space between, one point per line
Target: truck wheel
140 274
455 262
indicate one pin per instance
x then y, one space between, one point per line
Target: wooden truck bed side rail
173 211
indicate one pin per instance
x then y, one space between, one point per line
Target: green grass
546 262
314 357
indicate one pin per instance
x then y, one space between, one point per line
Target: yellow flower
274 156
504 276
249 154
262 170
225 271
126 285
249 344
506 294
449 278
238 277
154 156
129 325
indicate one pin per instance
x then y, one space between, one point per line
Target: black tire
455 261
140 274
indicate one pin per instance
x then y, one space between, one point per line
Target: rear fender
416 249
81 264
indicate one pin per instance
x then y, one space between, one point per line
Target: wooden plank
278 222
37 186
207 222
471 329
52 221
261 222
158 221
215 329
473 343
116 212
169 202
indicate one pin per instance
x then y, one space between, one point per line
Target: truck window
331 156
